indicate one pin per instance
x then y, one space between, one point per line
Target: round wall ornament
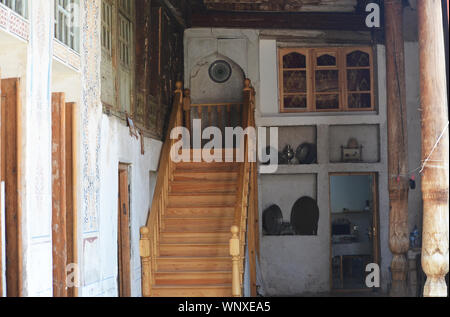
220 71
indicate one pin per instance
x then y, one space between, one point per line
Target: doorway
354 228
124 279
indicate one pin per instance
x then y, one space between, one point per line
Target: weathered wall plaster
100 265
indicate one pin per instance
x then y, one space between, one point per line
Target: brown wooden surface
1 191
71 236
397 144
435 152
59 190
263 20
10 175
124 234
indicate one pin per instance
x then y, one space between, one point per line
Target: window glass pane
294 81
294 60
327 80
292 102
326 60
358 59
358 80
359 101
327 102
67 22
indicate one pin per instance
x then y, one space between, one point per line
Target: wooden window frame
311 55
66 30
128 13
107 27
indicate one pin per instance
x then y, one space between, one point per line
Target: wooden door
10 108
1 189
71 211
59 229
63 211
124 233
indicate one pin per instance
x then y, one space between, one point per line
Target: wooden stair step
196 212
184 249
198 224
195 237
203 186
204 175
219 290
177 264
214 166
192 278
201 200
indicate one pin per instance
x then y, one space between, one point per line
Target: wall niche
354 143
303 142
289 205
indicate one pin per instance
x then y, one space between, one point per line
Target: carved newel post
435 152
398 145
235 257
144 246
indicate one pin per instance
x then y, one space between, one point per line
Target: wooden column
398 144
435 152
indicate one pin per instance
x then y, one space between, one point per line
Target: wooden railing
243 205
150 234
212 114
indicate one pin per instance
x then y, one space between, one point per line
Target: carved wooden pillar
235 257
435 152
398 145
146 262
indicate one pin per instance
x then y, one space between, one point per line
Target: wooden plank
124 233
59 216
71 235
1 192
10 109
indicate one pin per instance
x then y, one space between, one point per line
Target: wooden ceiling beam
281 20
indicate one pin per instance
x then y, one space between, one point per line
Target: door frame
124 232
375 220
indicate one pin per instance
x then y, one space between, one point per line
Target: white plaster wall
117 146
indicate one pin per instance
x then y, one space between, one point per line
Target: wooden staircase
194 241
194 257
